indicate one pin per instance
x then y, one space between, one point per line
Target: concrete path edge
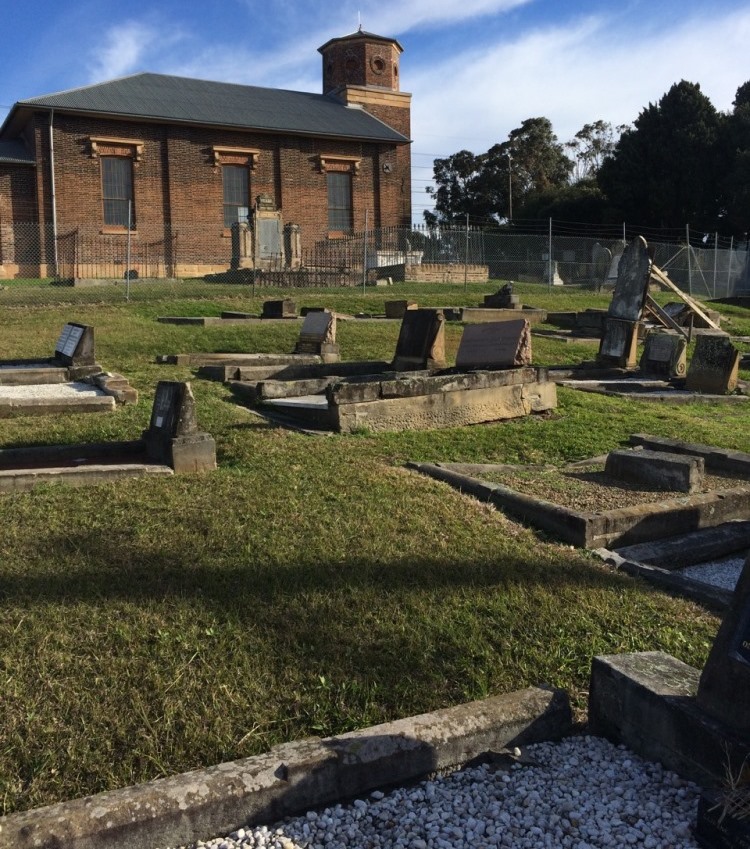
290 778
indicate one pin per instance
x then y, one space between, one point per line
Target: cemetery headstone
614 267
285 308
318 335
173 436
75 345
714 366
552 276
724 694
632 282
503 298
499 344
601 260
664 354
396 309
619 343
421 340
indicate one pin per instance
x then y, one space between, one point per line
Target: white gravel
722 573
49 390
582 793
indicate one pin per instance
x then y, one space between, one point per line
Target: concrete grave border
621 526
291 778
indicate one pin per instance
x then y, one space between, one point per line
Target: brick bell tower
362 69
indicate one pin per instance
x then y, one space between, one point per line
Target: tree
531 160
736 182
665 170
591 145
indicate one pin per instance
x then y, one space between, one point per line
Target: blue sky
476 68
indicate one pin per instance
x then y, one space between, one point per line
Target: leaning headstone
318 335
285 308
714 366
632 282
724 694
421 341
173 436
499 344
664 354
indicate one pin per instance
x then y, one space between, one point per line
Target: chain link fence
38 265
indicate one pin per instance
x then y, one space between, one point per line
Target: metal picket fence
39 266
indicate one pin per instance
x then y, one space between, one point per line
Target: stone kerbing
290 778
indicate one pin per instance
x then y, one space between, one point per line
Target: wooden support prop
660 277
666 320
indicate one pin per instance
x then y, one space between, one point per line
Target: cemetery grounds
311 585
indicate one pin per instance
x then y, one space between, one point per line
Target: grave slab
502 344
657 469
171 445
664 354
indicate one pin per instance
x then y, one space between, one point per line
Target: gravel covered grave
582 793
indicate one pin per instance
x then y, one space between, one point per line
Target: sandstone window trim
338 162
115 146
228 155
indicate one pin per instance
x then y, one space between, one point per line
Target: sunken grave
172 444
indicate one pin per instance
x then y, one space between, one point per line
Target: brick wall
178 192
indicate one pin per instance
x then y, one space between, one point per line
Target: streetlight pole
510 189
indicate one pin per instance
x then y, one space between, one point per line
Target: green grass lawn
311 585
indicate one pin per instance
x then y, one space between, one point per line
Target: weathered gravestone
724 694
714 366
173 436
285 308
664 354
318 336
421 341
552 275
601 259
614 266
620 337
503 298
499 344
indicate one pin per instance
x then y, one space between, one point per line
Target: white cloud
126 48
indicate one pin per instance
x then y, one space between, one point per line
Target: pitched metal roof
183 100
14 152
359 35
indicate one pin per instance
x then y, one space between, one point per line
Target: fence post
466 254
729 265
690 266
716 254
549 257
127 258
364 254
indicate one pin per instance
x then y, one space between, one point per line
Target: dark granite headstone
632 282
724 694
724 689
499 344
173 436
619 343
714 365
421 340
75 346
279 309
503 299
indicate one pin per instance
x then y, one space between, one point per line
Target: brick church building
199 177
